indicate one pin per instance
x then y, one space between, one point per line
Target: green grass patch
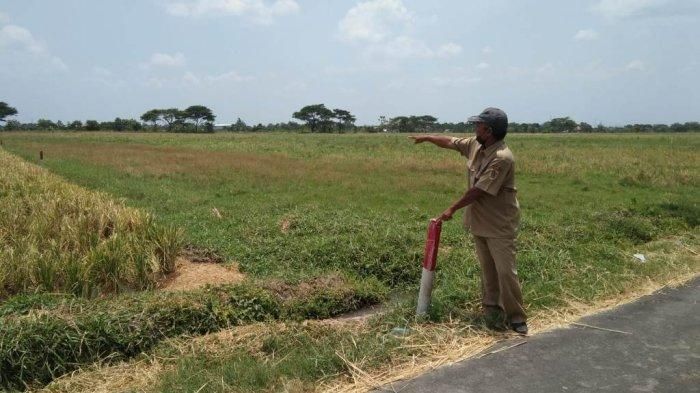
42 336
299 211
296 358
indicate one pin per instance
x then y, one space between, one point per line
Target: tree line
316 118
181 120
196 118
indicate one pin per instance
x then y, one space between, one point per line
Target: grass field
309 209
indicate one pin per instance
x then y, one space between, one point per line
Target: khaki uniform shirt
497 212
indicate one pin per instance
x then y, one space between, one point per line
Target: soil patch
191 275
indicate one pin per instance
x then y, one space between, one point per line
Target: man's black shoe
494 319
519 327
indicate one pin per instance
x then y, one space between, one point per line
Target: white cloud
156 82
449 49
404 47
487 50
586 35
382 28
546 68
165 60
619 9
231 76
191 79
101 72
295 86
614 9
455 81
374 20
407 47
104 77
18 39
482 65
4 18
636 65
258 10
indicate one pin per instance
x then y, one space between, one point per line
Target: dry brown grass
57 236
649 165
140 160
190 275
553 156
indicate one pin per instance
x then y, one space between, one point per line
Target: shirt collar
491 149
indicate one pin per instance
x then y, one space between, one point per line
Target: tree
316 116
152 116
118 125
678 127
400 124
6 110
171 117
92 125
692 126
424 123
412 123
75 125
239 125
559 124
44 124
585 127
13 125
198 113
344 118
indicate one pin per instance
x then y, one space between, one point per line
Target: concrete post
429 262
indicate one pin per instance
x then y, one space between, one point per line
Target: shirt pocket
471 175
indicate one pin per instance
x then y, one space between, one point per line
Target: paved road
662 354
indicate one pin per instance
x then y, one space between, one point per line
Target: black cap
494 117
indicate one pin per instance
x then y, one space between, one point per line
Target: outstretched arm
438 140
471 195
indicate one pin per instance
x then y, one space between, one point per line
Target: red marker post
429 262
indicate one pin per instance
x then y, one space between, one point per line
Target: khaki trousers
499 277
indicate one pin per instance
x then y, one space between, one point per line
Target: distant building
222 126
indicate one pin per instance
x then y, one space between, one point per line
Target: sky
609 62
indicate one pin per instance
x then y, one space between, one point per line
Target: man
492 211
